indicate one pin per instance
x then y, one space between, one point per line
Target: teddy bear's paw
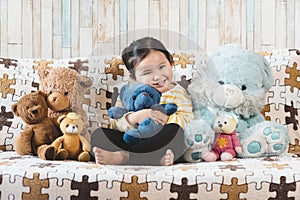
199 138
132 137
84 157
267 140
148 128
226 156
61 154
50 153
209 156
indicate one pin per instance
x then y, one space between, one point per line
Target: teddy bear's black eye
133 97
50 92
67 125
225 122
244 87
221 82
151 95
66 93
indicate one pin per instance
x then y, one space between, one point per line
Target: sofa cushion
19 77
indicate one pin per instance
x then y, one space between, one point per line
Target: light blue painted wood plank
193 22
250 15
123 15
66 23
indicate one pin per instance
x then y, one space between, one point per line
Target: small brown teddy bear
40 131
65 89
71 145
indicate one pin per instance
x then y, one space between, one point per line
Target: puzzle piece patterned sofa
28 177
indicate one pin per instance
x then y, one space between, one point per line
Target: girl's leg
108 147
151 150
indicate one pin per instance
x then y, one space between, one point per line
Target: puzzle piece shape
254 192
295 148
7 62
114 67
282 189
184 190
108 193
292 119
294 75
35 187
164 192
84 188
58 191
5 88
8 189
5 117
181 171
134 189
276 98
183 59
78 65
42 63
234 189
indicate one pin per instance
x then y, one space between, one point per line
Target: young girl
148 62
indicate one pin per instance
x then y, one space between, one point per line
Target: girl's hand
158 117
138 116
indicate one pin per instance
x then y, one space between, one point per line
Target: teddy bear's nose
35 112
54 98
220 125
145 94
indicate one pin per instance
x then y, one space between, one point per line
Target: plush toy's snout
58 102
72 128
229 96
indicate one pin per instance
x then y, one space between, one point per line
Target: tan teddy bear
65 90
39 131
227 144
71 145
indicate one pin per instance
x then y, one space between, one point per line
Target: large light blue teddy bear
235 82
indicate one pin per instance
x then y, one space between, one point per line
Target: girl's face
155 70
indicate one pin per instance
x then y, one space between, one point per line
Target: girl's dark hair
139 49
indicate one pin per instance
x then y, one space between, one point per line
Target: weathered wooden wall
64 28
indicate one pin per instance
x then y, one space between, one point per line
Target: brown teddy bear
65 90
71 145
39 131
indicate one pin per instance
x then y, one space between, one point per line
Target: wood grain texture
62 28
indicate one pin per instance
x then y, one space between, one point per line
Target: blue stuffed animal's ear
122 92
265 69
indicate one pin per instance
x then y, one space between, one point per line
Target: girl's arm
181 98
129 120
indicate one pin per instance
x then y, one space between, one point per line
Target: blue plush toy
235 81
135 97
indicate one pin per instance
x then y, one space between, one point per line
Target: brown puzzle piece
78 65
234 189
8 62
44 64
84 189
293 113
282 189
4 116
114 67
184 190
292 80
5 86
183 59
35 187
295 148
134 188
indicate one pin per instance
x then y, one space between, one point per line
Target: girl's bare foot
110 158
168 158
